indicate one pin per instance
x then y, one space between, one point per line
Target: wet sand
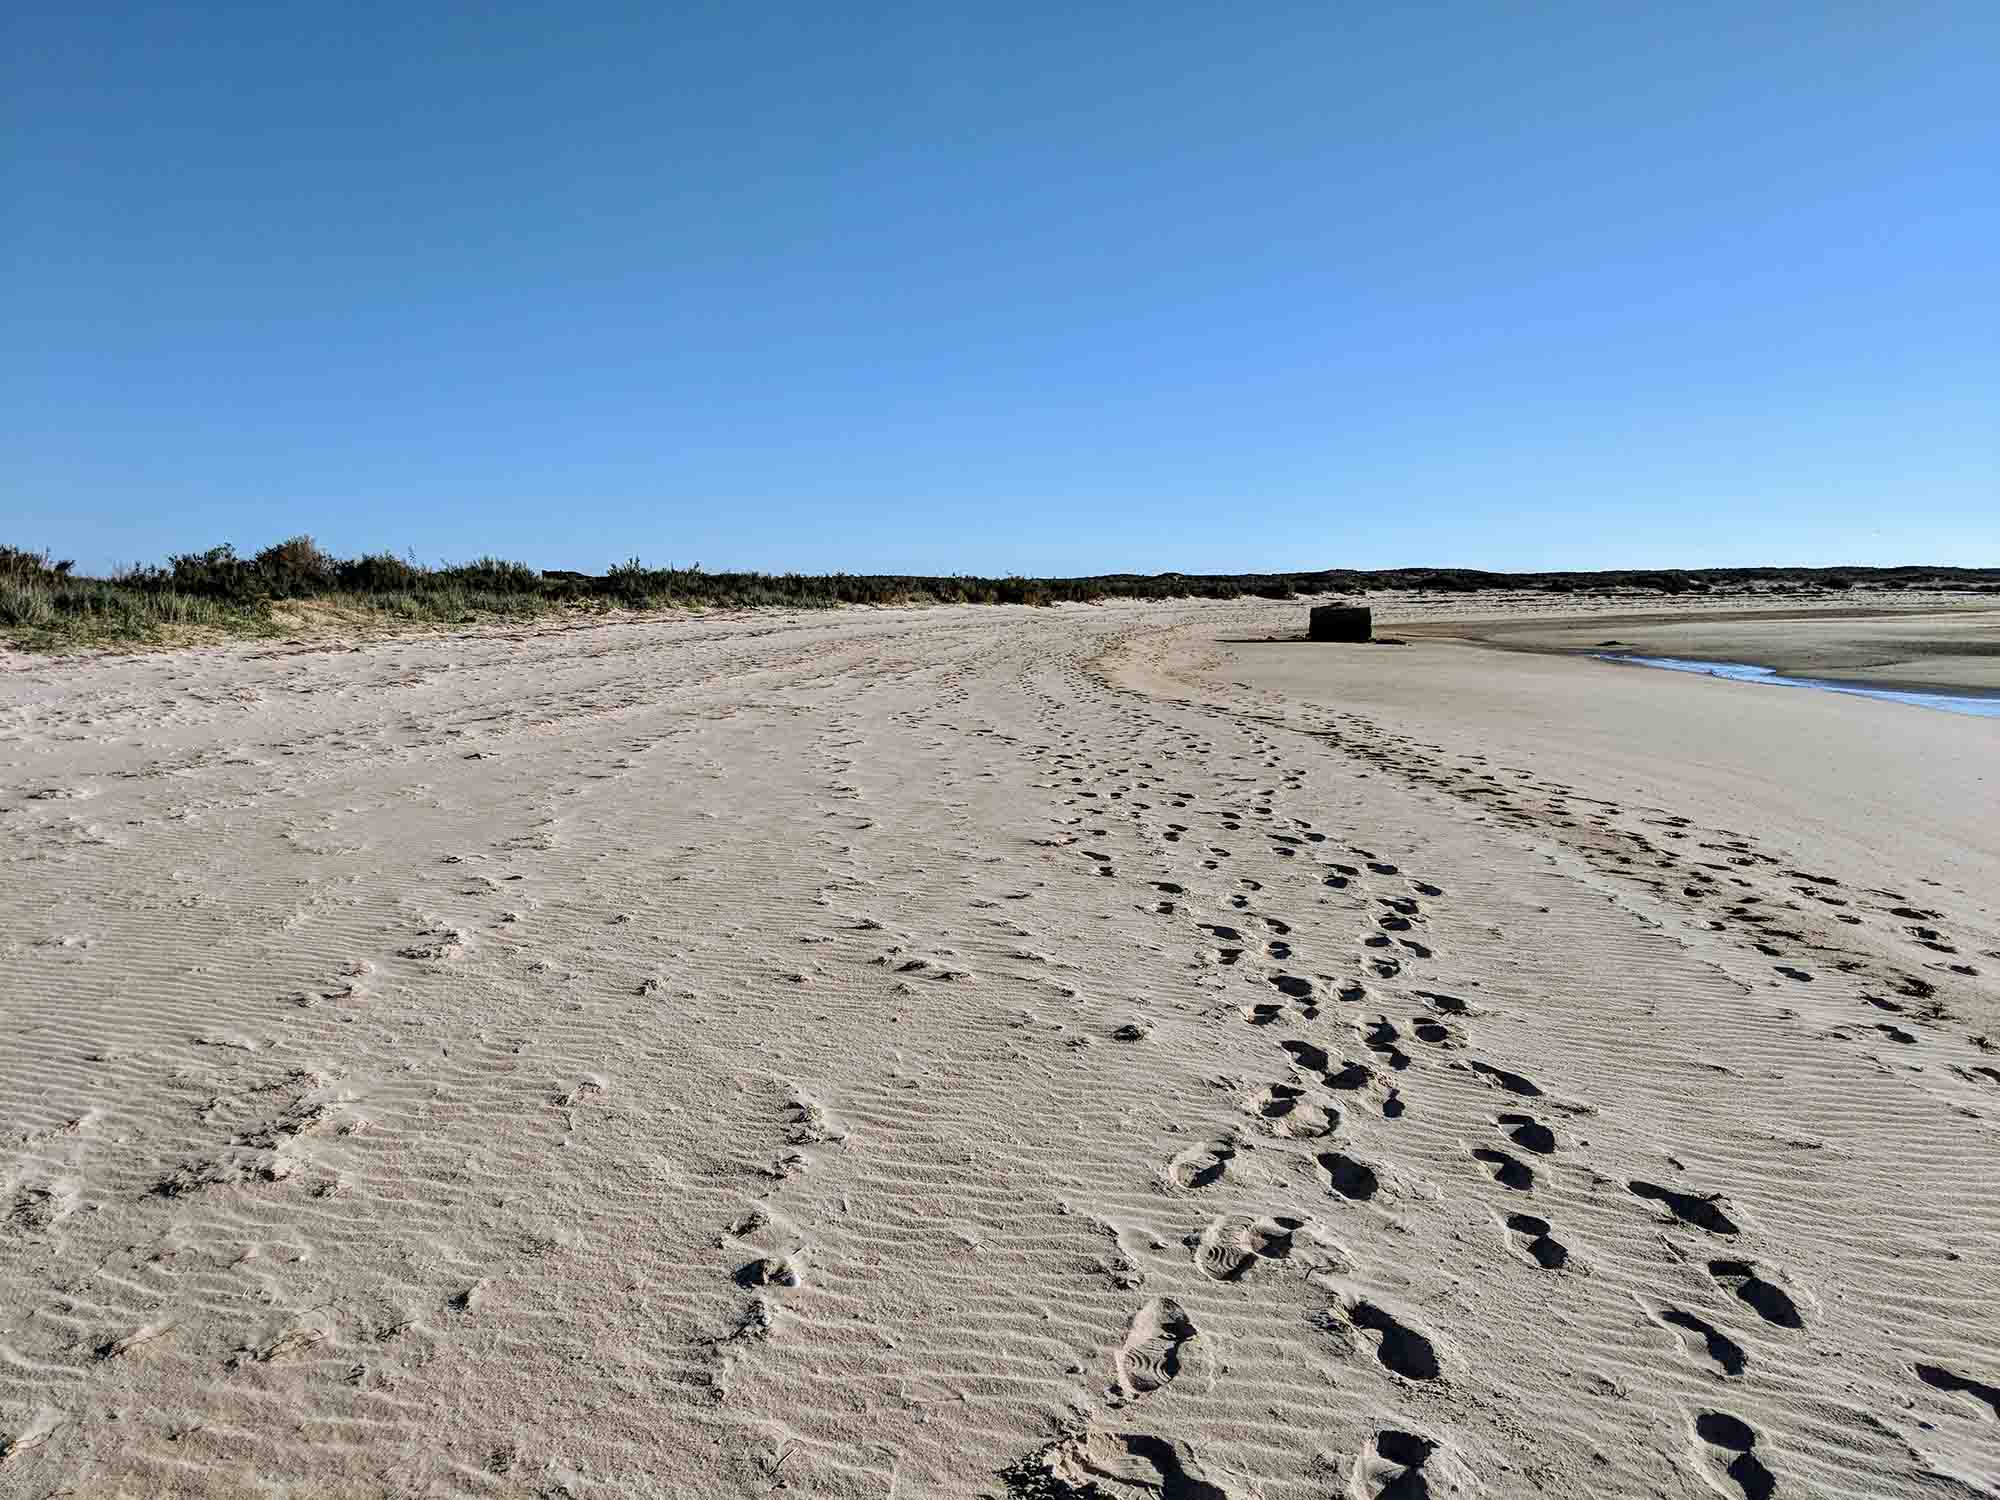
1940 649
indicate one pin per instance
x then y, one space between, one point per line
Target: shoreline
1951 650
1760 674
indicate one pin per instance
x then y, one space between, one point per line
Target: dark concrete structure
1340 622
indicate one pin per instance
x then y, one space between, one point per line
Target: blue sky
997 288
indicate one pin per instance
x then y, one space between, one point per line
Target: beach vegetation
217 592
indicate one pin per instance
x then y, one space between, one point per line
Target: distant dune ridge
295 584
1072 1052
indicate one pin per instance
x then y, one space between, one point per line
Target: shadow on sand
1300 640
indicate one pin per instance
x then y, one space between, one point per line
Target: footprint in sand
1528 1133
808 1123
1770 1300
1381 1039
1717 1345
1451 1005
1105 1464
1352 1075
1234 1243
1513 1083
1431 1031
1508 1171
1286 1112
781 1251
771 1270
1688 1208
1354 1180
1307 1056
1939 1378
1399 1465
1199 1165
1401 1348
1531 1236
1725 1449
1151 1355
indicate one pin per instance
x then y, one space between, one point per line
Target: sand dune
990 1052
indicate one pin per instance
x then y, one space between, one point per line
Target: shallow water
1951 703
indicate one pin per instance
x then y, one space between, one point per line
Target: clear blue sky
997 287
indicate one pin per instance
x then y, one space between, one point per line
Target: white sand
986 1052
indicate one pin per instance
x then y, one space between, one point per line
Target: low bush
42 601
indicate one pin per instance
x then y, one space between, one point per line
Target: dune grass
89 611
215 593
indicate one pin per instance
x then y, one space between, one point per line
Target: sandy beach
1074 1052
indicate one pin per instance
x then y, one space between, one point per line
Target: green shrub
491 575
376 573
294 569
